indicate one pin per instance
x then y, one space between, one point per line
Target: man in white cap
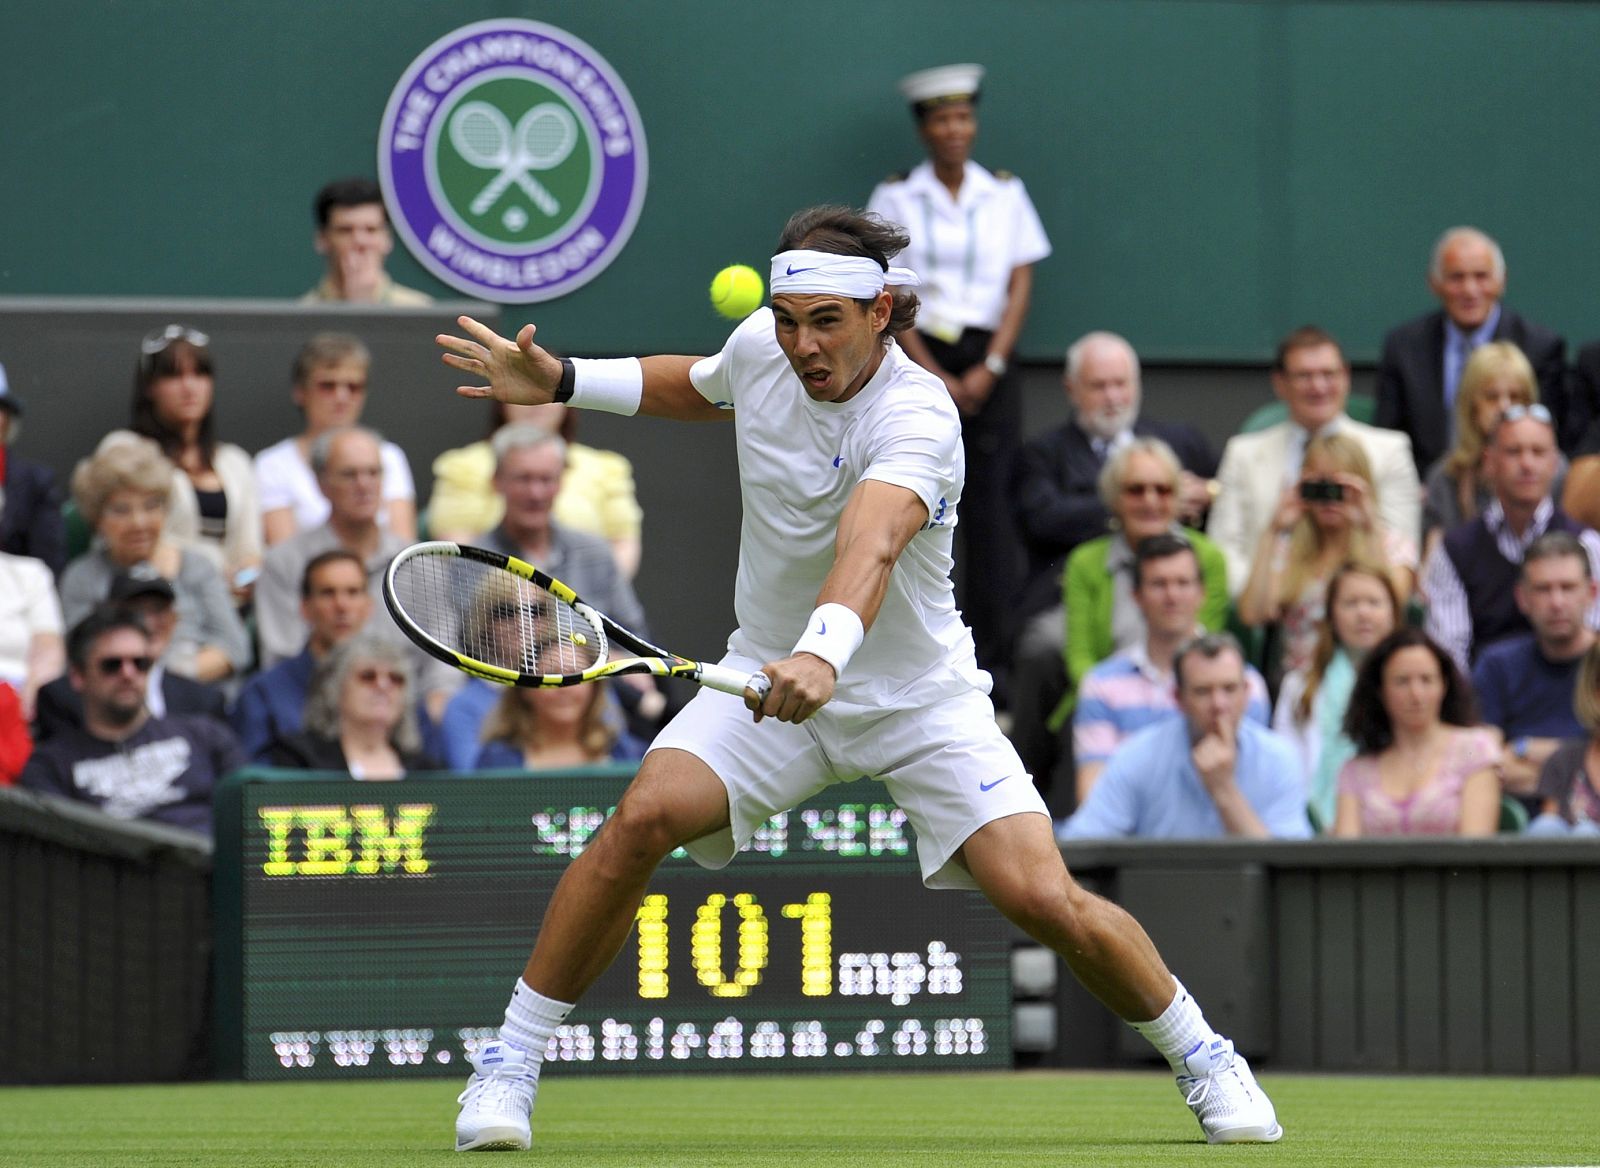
851 476
975 237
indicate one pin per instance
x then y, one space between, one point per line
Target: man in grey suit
1423 358
1312 378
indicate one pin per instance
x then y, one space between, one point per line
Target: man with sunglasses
1470 580
122 759
149 596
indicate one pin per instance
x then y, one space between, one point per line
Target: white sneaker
498 1101
1225 1097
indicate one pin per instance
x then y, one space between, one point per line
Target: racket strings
497 617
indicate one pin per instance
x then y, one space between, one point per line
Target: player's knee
1042 905
643 829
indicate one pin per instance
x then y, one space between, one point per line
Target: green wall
1211 173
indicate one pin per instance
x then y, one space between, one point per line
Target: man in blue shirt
1525 684
1209 774
335 604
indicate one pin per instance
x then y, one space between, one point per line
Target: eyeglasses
1160 490
156 342
111 666
370 676
1535 411
335 384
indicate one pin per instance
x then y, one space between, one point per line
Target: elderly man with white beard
1058 507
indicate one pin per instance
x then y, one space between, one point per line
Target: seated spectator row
1380 733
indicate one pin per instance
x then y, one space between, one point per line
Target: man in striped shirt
1133 689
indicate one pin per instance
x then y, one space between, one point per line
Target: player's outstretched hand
801 685
519 371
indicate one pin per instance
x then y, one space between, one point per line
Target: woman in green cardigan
1139 485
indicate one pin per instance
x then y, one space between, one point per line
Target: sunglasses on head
1536 411
111 666
158 341
371 676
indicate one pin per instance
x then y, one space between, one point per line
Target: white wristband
615 385
833 633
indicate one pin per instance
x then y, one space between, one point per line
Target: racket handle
735 681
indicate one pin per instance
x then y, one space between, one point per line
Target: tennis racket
503 620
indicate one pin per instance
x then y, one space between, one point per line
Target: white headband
812 273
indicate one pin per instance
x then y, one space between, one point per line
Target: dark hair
107 618
1307 336
841 230
1160 547
321 560
1553 545
1207 645
499 417
177 357
921 109
346 192
1366 722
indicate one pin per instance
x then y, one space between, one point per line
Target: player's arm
879 520
523 373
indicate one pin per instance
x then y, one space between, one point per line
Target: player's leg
1017 865
675 798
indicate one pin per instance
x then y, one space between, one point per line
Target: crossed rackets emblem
542 140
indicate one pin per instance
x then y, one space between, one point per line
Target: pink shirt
1432 809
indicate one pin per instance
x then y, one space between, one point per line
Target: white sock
531 1021
1179 1030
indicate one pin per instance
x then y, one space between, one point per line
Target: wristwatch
996 364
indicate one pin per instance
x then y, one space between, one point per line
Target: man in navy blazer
1423 358
30 506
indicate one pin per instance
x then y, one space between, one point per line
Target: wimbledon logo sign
513 161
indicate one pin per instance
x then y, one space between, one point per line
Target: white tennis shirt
799 461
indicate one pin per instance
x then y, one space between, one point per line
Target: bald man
1423 358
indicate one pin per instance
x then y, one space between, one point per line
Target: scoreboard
376 929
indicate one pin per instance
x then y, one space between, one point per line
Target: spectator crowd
1367 617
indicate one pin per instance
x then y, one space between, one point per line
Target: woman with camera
1328 517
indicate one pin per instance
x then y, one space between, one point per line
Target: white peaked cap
947 82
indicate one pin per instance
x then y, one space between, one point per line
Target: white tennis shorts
946 765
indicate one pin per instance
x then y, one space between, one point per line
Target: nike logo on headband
794 271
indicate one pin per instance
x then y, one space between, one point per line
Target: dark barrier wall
1451 956
1211 173
105 947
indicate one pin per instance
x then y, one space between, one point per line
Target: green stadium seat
1513 816
79 533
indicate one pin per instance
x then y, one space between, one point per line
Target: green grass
940 1121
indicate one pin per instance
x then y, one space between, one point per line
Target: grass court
1062 1119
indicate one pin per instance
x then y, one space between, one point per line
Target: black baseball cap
140 580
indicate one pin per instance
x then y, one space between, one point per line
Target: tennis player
850 467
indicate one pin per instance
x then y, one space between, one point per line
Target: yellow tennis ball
736 291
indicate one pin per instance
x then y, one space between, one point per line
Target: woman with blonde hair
1496 377
1328 517
538 729
1362 609
123 490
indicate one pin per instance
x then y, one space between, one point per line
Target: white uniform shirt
28 605
964 248
285 479
799 461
